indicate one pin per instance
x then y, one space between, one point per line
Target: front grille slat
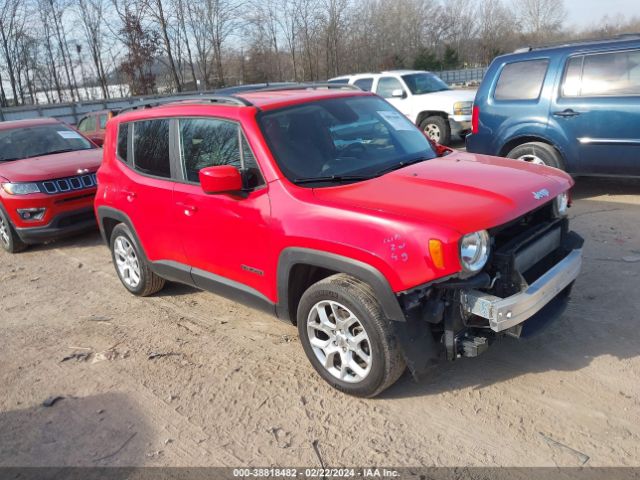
67 184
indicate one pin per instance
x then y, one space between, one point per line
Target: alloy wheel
532 159
127 262
339 341
4 233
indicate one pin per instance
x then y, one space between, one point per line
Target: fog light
31 213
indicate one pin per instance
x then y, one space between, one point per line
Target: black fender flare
360 270
109 212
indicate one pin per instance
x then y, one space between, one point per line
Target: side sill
238 292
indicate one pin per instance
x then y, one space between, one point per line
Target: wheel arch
430 113
522 139
108 218
299 268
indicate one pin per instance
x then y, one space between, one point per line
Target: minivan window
572 77
151 147
521 80
206 142
364 84
607 74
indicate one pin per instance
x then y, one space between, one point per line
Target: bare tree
199 31
92 19
55 10
495 29
539 18
157 11
183 34
11 14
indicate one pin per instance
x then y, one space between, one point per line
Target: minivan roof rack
586 41
204 98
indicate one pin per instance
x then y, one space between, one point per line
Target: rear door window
521 80
364 84
387 85
151 148
603 74
103 122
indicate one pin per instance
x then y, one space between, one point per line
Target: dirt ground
186 378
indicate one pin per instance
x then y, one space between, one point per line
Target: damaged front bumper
524 288
505 313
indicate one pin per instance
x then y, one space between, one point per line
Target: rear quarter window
123 141
521 80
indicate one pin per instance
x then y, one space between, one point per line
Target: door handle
187 209
566 113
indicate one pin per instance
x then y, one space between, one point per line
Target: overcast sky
583 13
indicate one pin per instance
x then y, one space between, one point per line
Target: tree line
71 50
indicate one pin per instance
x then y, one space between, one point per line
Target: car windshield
342 140
420 83
25 142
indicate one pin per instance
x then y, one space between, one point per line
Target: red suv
47 174
330 209
94 124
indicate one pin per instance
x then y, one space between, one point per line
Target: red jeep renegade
47 175
330 209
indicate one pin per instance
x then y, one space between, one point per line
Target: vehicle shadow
589 187
90 238
95 431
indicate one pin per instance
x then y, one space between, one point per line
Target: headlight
561 204
20 188
462 108
474 251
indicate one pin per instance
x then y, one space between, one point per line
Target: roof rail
310 86
211 98
585 41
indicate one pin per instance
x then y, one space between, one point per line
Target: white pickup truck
423 97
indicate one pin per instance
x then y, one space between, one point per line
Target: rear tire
351 345
538 153
9 239
131 266
437 129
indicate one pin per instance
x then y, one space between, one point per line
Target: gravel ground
186 378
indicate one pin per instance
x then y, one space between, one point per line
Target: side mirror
220 179
398 93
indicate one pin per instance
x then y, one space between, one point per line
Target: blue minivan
574 107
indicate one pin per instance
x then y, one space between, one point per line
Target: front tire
347 338
538 153
131 266
437 129
9 239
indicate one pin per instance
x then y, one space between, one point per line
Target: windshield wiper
53 152
331 178
400 165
